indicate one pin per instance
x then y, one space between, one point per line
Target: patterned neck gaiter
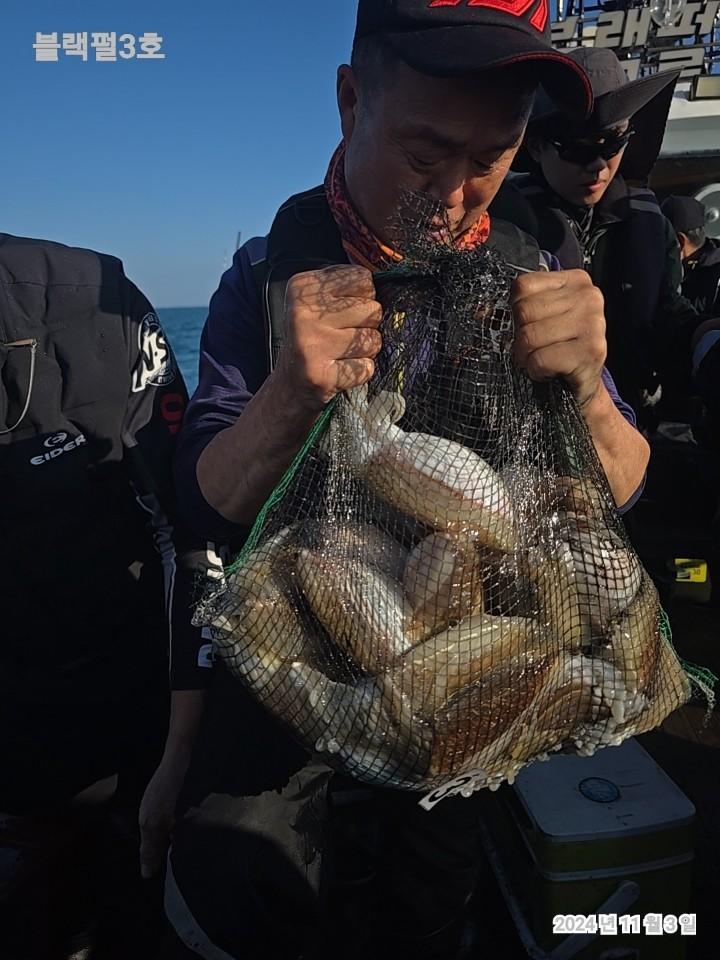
360 243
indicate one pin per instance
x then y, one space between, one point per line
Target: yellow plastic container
692 580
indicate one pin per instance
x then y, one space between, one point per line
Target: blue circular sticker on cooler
599 790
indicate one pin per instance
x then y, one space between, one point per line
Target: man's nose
450 191
596 165
448 183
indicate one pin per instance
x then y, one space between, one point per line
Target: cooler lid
617 791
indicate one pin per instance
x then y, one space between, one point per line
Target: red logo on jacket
516 8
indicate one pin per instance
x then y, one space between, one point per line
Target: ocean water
183 326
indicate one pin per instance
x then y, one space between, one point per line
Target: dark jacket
629 249
91 402
701 283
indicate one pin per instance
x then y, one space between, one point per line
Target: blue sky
162 162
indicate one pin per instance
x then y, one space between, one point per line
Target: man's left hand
560 329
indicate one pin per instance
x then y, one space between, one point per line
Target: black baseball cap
615 98
450 38
684 213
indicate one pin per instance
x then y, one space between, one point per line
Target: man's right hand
332 318
331 341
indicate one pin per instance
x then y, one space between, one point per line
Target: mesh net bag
441 588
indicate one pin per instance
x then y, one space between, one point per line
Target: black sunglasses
582 152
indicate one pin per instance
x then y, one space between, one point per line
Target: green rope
401 271
666 628
700 674
702 680
282 488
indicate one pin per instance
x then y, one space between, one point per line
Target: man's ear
534 146
683 242
347 99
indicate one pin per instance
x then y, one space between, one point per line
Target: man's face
453 139
582 182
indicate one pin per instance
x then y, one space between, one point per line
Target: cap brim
649 123
611 108
474 48
626 101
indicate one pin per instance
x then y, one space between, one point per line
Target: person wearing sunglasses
593 158
583 195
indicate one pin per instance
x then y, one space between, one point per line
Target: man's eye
423 162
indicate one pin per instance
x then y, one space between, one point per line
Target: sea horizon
183 326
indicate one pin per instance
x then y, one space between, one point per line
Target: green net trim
702 680
282 488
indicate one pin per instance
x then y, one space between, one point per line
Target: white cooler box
580 836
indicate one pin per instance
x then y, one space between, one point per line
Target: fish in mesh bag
440 589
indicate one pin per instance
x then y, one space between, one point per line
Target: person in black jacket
91 402
706 377
435 100
700 254
701 285
576 198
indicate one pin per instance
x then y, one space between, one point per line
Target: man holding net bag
438 589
